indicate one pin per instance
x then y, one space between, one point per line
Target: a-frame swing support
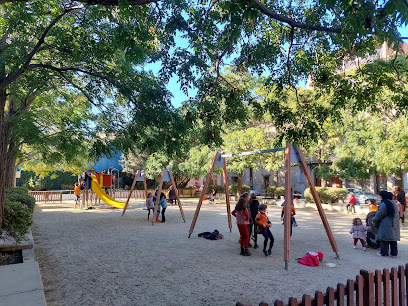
138 176
288 194
156 206
217 162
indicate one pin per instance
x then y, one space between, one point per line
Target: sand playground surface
98 257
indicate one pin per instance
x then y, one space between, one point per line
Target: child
358 230
292 214
76 192
242 215
263 221
149 204
373 205
351 204
163 204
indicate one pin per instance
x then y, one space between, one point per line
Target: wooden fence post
330 297
394 286
368 287
319 298
340 294
359 290
386 287
350 292
377 290
306 300
401 277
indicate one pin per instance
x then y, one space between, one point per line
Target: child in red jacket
263 221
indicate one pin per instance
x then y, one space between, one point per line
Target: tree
251 139
72 82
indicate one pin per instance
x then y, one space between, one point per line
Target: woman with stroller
387 221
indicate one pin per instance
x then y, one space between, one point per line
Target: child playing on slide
149 205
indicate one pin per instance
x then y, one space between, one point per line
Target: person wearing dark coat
400 197
387 221
254 208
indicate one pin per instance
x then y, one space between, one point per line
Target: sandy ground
98 257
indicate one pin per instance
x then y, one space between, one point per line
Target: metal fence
386 287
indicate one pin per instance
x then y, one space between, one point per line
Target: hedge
275 192
219 188
233 189
25 199
17 220
20 190
327 194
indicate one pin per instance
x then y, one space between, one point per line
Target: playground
99 257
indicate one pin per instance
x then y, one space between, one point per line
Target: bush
25 199
327 194
219 188
275 192
233 189
17 220
20 190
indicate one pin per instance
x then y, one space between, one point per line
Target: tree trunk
276 178
3 149
11 169
239 187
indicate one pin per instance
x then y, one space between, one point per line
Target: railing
47 196
386 287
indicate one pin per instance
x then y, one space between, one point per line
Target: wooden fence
386 287
47 196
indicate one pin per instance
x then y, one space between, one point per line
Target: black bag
258 229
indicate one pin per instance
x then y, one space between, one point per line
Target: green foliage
233 189
18 190
25 199
220 189
52 181
327 194
274 192
17 219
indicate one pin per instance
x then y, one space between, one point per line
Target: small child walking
163 204
76 192
149 205
263 221
358 230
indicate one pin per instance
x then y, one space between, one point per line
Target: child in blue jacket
163 204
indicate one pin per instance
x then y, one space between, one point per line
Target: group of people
386 219
151 202
252 220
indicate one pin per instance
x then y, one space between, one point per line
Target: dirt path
97 257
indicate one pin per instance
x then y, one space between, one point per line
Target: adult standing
172 196
242 215
254 208
400 197
387 221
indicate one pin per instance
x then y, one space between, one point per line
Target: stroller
372 235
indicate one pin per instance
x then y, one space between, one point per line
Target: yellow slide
103 196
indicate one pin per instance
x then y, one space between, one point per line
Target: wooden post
378 285
386 287
394 286
227 198
316 198
145 185
350 292
173 183
340 294
368 287
200 202
156 206
287 208
401 278
360 291
130 192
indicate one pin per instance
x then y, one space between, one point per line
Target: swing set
293 154
166 176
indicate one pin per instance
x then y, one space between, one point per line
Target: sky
179 97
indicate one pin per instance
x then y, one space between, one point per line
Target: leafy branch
291 22
16 74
